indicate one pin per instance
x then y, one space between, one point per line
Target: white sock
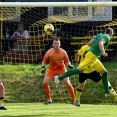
109 84
1 105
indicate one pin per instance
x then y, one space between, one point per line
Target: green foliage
23 83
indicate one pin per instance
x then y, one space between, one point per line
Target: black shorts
94 76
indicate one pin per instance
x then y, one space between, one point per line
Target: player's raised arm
101 46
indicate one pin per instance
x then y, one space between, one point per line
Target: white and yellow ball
49 29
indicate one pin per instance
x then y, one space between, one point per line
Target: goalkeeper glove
71 66
43 69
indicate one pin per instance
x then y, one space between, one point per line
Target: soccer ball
49 29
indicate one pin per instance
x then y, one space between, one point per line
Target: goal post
75 23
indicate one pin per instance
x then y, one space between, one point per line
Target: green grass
57 110
27 80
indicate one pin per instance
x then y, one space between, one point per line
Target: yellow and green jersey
83 50
95 47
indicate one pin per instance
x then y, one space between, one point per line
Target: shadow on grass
40 115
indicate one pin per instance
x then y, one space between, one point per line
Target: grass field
57 110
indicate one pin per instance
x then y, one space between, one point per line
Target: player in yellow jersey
90 73
99 44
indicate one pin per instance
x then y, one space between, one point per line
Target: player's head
109 31
20 26
56 43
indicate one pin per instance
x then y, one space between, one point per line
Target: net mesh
74 26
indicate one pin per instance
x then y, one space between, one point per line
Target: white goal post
56 4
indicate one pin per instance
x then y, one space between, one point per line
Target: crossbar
55 4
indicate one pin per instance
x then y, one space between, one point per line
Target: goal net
75 24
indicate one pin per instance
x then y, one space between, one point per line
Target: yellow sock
78 94
1 102
115 98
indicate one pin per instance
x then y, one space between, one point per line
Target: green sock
69 73
105 82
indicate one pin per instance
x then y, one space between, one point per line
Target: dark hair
56 39
21 23
109 31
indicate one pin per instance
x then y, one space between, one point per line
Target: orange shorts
51 73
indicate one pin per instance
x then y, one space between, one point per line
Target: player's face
20 27
56 44
111 34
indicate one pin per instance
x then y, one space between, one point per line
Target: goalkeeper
90 73
99 43
56 56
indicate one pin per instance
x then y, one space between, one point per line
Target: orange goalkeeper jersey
56 59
